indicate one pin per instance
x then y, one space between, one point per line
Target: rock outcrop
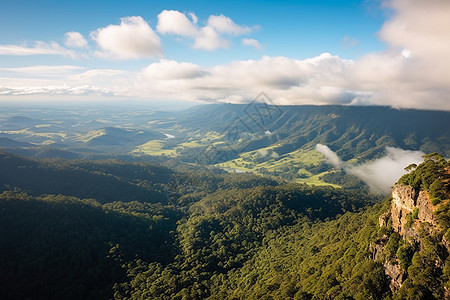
404 201
396 273
409 211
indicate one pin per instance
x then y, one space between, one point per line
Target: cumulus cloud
252 43
379 174
75 40
175 22
420 26
209 37
224 24
132 39
413 72
289 81
170 69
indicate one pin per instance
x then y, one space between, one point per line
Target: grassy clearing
266 161
315 179
27 132
84 138
154 148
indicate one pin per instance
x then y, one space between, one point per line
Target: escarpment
414 237
410 207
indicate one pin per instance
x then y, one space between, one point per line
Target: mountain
351 131
6 142
18 122
103 181
113 136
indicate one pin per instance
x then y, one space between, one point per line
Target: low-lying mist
379 174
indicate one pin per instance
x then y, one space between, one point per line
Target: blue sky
297 29
299 52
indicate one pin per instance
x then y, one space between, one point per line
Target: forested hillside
185 234
256 138
361 132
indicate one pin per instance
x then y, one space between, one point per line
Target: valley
216 202
257 138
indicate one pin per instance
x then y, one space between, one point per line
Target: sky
367 52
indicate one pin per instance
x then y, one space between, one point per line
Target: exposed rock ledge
404 200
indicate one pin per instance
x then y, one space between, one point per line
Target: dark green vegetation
353 132
157 233
255 138
430 176
97 227
423 252
193 234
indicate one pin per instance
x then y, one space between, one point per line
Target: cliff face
409 212
404 201
413 242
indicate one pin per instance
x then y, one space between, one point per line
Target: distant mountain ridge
351 131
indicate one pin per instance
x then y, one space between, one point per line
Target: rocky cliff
410 208
412 216
413 242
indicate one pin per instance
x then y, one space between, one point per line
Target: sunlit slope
353 132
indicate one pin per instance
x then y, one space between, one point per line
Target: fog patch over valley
379 174
330 156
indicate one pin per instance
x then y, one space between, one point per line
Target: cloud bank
379 174
382 173
413 72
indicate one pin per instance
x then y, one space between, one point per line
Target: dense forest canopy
123 230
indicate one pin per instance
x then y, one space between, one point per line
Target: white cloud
64 81
75 40
169 69
44 70
193 18
224 24
55 90
175 22
421 78
40 48
330 156
132 39
209 37
420 26
414 72
382 173
379 174
252 43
